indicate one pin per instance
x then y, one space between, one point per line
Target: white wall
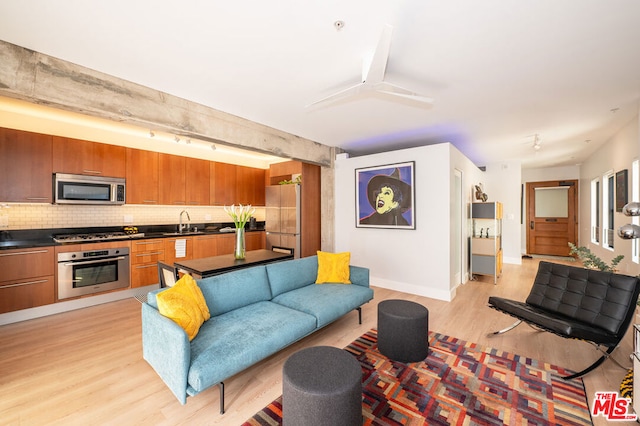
502 183
413 261
617 154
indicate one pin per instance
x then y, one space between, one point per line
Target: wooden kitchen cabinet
225 243
172 179
28 278
88 158
255 240
198 181
144 256
170 255
142 177
25 167
250 183
205 246
223 184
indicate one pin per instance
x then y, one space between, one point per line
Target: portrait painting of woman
385 196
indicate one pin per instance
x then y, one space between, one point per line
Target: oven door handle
91 262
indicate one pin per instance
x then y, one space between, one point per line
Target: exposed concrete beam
42 79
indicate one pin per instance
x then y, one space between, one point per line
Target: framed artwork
385 196
621 189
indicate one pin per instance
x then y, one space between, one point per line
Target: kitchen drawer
18 264
152 256
147 245
143 275
23 294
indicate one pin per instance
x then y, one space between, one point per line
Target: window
608 206
635 196
595 211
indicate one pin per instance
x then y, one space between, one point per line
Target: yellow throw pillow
185 305
333 267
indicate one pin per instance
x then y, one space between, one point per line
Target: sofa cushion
229 343
185 305
232 290
333 267
292 274
326 302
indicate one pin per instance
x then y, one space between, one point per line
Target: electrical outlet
127 218
207 217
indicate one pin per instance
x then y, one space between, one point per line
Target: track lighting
213 147
177 139
536 143
151 134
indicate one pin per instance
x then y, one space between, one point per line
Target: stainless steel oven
88 272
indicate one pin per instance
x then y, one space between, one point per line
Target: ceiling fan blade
395 90
373 72
350 91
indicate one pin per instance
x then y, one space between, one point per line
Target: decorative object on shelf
480 195
631 230
591 261
385 196
240 215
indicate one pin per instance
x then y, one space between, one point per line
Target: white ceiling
500 71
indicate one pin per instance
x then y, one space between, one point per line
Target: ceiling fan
373 79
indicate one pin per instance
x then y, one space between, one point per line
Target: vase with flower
240 215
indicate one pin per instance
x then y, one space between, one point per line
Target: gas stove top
95 237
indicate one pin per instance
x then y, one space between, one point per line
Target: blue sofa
255 312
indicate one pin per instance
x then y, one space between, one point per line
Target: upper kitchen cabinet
223 184
250 183
142 177
88 158
172 179
25 167
198 181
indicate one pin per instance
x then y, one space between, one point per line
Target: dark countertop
28 238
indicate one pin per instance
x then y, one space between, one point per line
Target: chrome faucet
181 227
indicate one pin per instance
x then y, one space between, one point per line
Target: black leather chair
167 274
576 303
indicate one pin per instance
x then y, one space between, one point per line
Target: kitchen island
214 265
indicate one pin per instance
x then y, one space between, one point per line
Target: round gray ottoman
321 385
403 328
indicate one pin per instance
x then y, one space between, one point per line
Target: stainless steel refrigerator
282 217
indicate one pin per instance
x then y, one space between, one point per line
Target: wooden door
172 179
552 217
223 184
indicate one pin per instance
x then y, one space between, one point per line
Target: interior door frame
573 210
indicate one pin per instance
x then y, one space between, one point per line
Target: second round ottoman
321 385
403 328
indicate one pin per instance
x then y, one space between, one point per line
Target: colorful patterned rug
459 383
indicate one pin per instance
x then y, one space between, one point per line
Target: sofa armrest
165 346
359 275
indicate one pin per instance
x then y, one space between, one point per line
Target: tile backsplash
38 216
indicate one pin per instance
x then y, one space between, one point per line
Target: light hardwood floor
86 367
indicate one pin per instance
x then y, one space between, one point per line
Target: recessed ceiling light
339 25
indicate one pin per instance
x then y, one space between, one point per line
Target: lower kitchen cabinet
173 249
145 255
27 278
204 246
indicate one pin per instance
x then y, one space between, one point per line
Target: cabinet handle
148 254
180 203
92 172
25 283
24 252
146 266
37 198
140 243
150 201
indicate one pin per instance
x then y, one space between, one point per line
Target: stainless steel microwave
80 189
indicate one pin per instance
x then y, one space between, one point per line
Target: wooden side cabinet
28 278
486 239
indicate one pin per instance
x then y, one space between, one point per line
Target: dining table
215 265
